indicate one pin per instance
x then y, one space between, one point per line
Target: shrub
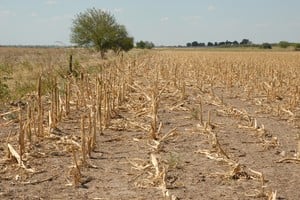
284 44
297 47
266 46
144 45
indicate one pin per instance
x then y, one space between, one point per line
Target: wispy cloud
261 25
33 14
55 19
7 13
118 10
51 2
61 17
164 19
114 10
211 8
193 19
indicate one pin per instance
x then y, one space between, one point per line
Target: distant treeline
227 43
243 43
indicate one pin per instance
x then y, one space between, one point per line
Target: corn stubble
98 97
269 95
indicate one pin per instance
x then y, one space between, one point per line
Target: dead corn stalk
29 121
99 98
67 96
21 136
155 99
75 170
83 140
40 108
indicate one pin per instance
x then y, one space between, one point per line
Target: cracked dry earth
218 145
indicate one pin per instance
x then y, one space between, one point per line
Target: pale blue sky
164 22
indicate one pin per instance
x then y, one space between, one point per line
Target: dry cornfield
159 124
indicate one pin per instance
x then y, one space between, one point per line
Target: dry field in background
149 125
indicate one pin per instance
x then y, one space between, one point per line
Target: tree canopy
100 30
144 45
284 44
266 46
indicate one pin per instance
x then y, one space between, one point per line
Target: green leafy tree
266 46
100 30
124 44
144 45
121 41
235 43
297 46
194 44
245 42
141 45
210 44
150 45
284 44
228 43
221 43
